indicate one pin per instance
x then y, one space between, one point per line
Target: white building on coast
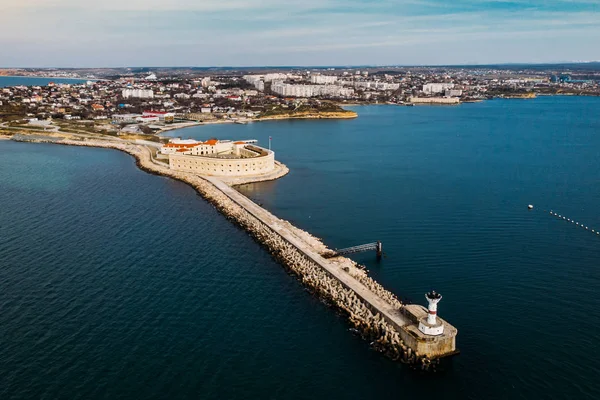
290 90
137 93
323 79
434 88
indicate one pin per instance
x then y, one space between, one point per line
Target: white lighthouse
430 325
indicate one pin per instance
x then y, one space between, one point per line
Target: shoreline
51 77
540 94
325 115
339 281
252 120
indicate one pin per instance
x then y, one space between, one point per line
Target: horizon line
326 66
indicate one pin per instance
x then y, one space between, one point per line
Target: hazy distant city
135 100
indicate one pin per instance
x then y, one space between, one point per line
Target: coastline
350 115
339 281
324 115
469 101
52 77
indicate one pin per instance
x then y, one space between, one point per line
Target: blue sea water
6 81
119 284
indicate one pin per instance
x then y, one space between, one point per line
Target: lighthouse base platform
431 346
429 329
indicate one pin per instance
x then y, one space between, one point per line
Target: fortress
219 157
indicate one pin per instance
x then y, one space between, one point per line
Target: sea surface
119 284
6 81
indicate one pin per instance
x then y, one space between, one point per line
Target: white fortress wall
247 163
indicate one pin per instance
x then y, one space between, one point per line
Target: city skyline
266 32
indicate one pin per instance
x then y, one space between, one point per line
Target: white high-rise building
433 88
256 80
274 77
289 90
453 93
323 79
376 85
138 93
252 78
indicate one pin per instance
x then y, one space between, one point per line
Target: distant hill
583 66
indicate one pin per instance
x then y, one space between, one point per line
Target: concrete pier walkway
404 320
392 315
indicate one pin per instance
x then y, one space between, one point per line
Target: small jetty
377 246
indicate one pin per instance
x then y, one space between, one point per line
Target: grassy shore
305 111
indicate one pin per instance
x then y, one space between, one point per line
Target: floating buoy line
587 228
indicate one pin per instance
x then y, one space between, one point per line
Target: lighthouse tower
430 325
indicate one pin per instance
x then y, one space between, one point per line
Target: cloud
238 32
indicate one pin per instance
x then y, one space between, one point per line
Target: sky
120 33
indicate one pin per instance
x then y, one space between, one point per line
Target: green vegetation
28 127
150 138
303 109
12 112
507 92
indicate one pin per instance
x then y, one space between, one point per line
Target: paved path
391 314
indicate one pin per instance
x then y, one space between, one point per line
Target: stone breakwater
339 281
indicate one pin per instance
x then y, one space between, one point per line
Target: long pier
392 327
405 320
270 220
